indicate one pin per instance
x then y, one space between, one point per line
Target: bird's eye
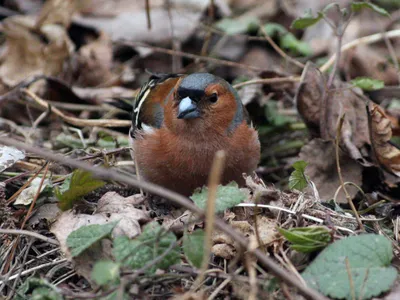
213 98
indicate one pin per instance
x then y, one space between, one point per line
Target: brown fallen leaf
386 153
111 207
94 64
309 96
223 245
322 111
32 51
322 170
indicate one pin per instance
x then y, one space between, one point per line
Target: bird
180 121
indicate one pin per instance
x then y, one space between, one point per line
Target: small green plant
307 239
227 196
298 179
77 185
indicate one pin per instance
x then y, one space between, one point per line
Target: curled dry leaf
321 112
32 51
111 207
94 63
322 170
386 154
308 98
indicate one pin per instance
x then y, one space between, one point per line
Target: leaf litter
62 64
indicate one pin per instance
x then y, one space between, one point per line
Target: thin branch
110 174
148 14
369 39
213 181
26 272
194 56
279 50
349 200
269 81
30 233
77 121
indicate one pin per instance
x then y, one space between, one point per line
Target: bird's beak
188 109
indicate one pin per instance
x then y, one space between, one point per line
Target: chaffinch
180 121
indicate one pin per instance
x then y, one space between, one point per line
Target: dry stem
349 200
77 121
213 181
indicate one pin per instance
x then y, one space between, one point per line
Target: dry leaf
57 12
111 207
267 230
309 96
321 112
223 245
94 63
32 51
322 169
387 155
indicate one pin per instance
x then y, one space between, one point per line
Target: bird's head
204 102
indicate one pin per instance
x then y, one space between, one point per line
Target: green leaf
227 196
105 271
193 246
153 242
45 293
290 42
298 180
368 84
366 258
38 289
84 237
239 25
307 239
307 21
357 6
274 117
82 183
272 29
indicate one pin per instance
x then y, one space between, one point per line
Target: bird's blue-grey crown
194 85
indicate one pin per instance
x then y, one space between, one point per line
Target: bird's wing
148 105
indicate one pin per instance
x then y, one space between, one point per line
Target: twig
339 32
269 81
77 121
109 174
148 14
208 36
369 39
30 233
13 290
279 50
194 56
251 270
349 200
28 214
223 284
35 269
17 193
213 181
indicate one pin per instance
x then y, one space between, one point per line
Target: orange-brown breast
183 164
